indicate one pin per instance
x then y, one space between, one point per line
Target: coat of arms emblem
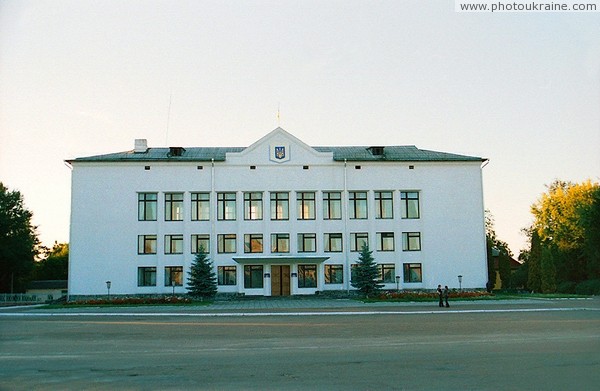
280 153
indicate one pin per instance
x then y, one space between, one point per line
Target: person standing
446 294
440 295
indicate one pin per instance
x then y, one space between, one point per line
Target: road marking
308 313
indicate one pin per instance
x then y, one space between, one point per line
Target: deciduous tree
18 241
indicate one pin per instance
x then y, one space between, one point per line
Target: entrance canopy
279 259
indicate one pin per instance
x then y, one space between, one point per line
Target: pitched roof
404 153
408 153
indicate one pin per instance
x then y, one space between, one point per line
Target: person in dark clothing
440 295
446 294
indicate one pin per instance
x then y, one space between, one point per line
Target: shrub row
589 287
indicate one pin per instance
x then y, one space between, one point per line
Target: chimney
141 145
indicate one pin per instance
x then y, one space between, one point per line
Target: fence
24 298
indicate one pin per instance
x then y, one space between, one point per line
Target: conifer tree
366 274
202 281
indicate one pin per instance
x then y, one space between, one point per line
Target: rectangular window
227 275
358 205
385 241
280 206
384 205
173 206
333 243
200 206
147 206
413 272
307 243
411 241
410 204
200 243
307 276
173 244
280 243
306 205
225 206
332 205
334 274
358 240
353 271
146 276
174 276
253 206
146 244
253 276
253 243
226 243
387 272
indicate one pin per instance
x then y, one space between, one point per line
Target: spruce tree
202 281
366 275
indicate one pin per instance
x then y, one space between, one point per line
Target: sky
81 78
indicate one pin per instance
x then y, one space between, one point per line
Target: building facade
276 218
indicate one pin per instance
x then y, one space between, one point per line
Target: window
333 243
384 205
174 276
253 243
200 206
280 206
226 243
253 206
226 275
385 241
353 271
306 205
413 272
146 276
332 205
147 206
226 206
358 205
307 243
411 241
387 272
200 243
253 276
307 276
173 206
147 244
410 204
334 274
358 240
280 243
173 244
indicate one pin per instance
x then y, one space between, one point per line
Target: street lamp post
460 282
398 283
108 288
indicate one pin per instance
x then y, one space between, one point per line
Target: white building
277 218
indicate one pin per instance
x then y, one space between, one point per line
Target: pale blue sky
81 78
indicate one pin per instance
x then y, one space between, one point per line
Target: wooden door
280 280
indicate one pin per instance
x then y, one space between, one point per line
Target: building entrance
280 280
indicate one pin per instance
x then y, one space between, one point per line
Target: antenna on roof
278 116
168 120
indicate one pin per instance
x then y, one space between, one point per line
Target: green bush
566 287
589 287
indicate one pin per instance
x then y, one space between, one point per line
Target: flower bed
133 301
428 296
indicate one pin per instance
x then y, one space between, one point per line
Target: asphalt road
529 349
